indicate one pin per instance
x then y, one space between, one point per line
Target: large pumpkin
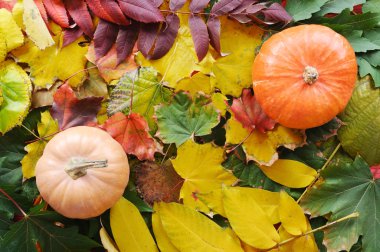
304 76
82 172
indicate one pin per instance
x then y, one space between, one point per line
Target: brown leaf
57 11
108 10
199 33
141 10
125 41
104 37
79 12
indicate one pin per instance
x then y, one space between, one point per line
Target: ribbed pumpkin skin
278 82
95 192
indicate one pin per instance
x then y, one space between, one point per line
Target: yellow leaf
214 201
200 165
46 66
219 101
162 238
107 241
46 128
291 215
290 173
248 219
199 82
233 72
10 31
3 48
190 231
17 13
262 147
129 228
35 26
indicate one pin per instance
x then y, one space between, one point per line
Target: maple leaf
70 111
132 132
250 114
198 82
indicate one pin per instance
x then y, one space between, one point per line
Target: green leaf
39 228
336 6
323 132
147 93
184 119
366 68
301 10
348 188
4 224
16 89
359 43
371 6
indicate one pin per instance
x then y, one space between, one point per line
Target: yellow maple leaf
9 31
200 165
219 101
55 62
262 147
46 128
199 82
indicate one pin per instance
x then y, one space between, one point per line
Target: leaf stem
167 151
13 201
31 132
188 13
78 72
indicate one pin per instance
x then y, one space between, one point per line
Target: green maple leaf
336 6
301 10
348 188
184 119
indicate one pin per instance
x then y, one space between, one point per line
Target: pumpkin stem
77 167
310 75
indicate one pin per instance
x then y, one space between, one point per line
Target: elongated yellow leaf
129 228
35 26
191 231
162 238
10 31
290 173
248 219
291 214
107 241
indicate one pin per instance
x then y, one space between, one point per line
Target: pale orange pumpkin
304 76
82 172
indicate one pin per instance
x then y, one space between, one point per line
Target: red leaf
276 13
225 6
104 37
197 6
7 4
141 10
147 37
126 40
57 12
132 132
108 10
213 27
79 12
199 33
249 113
375 170
70 111
70 35
42 10
175 5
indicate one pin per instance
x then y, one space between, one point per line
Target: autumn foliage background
171 82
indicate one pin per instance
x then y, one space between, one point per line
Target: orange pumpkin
82 172
304 76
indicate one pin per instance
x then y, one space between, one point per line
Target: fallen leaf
162 238
198 82
219 101
57 12
10 31
107 241
94 85
3 48
292 218
44 97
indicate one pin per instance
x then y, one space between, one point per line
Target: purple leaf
70 35
175 5
253 9
166 37
147 37
79 12
276 13
197 6
213 27
125 41
141 10
199 33
225 6
243 6
104 37
241 18
156 3
108 10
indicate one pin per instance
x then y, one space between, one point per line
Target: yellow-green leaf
291 215
162 238
199 82
290 173
10 31
35 26
107 241
219 101
248 219
190 231
200 165
129 228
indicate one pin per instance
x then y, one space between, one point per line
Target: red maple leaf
132 132
249 113
70 111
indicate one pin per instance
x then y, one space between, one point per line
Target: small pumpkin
304 76
82 172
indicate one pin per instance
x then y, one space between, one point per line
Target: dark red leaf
141 10
70 35
104 37
79 12
42 10
225 6
108 10
197 6
70 111
213 27
175 5
276 13
375 170
147 37
126 40
166 37
57 11
249 113
132 132
199 33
